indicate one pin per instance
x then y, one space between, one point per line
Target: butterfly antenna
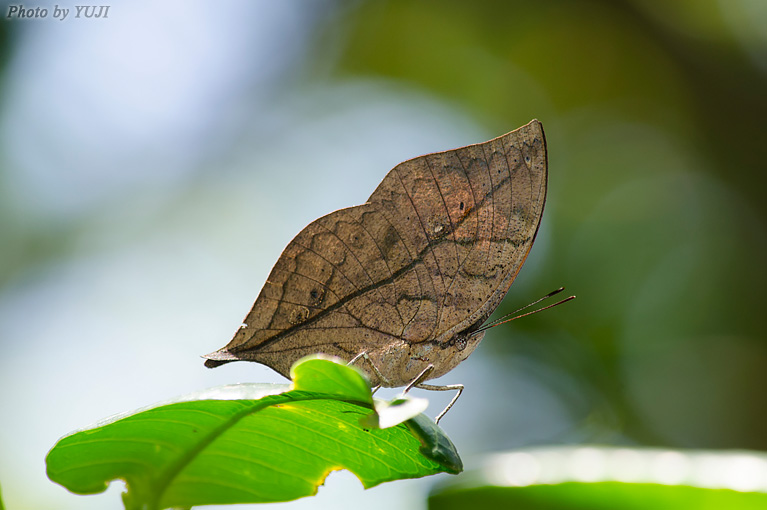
547 296
504 319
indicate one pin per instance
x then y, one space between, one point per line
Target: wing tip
218 358
534 124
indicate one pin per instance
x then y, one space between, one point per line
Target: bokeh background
154 164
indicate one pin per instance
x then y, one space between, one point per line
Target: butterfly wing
471 216
432 253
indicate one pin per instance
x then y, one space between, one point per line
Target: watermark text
58 13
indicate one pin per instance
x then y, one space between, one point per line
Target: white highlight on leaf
735 470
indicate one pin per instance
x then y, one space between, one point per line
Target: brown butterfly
406 280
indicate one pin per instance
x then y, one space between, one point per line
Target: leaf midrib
171 472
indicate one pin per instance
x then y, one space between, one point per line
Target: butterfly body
407 278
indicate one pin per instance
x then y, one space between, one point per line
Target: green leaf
604 478
252 443
598 496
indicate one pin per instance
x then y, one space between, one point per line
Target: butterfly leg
416 383
448 387
420 377
382 380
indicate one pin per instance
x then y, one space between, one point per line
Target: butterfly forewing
431 254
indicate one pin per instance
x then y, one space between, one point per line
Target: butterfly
402 284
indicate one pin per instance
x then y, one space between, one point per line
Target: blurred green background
155 163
